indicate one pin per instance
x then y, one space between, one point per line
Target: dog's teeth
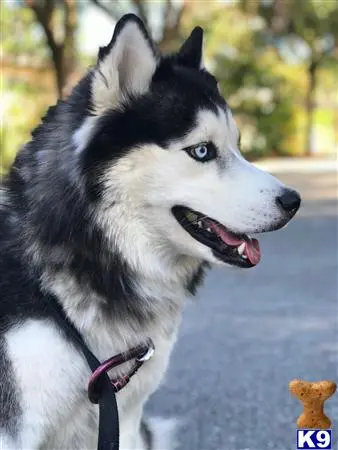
199 223
191 216
241 248
244 257
209 229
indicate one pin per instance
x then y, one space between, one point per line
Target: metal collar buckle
141 354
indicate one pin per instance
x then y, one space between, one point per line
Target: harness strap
109 434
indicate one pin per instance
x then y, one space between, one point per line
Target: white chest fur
53 375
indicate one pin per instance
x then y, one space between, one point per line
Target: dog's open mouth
237 250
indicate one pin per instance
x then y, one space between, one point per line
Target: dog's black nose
289 201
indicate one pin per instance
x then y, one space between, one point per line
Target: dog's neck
105 296
137 312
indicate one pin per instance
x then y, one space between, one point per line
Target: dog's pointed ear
191 52
125 66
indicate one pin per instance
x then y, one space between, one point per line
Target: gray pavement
249 333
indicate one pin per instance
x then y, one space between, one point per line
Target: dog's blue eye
202 152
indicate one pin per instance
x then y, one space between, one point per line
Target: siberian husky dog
129 189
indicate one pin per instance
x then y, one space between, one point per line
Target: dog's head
161 154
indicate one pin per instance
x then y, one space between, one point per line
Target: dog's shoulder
20 295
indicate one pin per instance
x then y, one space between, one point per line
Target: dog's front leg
138 433
130 435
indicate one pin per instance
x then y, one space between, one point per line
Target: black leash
109 433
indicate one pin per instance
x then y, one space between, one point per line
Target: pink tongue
251 251
226 236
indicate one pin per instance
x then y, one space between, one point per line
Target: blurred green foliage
21 117
261 103
262 71
19 37
249 77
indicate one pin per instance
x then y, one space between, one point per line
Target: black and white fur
85 220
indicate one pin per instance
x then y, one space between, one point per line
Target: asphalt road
250 332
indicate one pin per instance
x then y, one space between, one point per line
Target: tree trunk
172 21
63 51
310 107
60 78
69 46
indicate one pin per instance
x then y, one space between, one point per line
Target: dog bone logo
313 396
